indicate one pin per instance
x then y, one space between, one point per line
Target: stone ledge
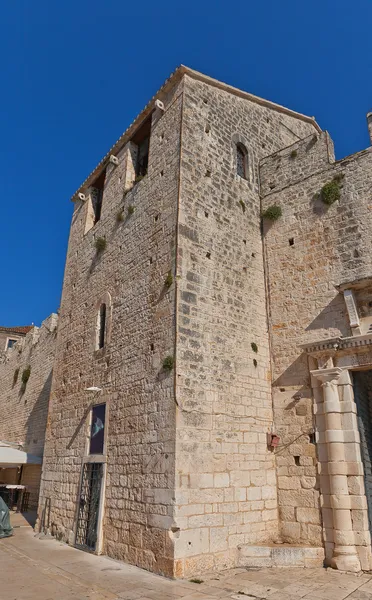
281 555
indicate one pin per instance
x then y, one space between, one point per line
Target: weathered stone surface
24 408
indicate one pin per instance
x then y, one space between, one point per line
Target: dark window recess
97 196
142 141
11 343
297 461
97 429
102 326
291 241
241 161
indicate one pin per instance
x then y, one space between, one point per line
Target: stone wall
129 275
190 482
225 474
24 409
309 251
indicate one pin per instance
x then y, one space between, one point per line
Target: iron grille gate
89 502
362 394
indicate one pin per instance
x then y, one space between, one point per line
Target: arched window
241 161
101 329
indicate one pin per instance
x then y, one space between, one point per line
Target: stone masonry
24 408
206 331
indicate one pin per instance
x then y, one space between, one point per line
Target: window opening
97 196
241 161
142 140
11 343
101 326
97 429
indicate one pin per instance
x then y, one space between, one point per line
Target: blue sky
75 75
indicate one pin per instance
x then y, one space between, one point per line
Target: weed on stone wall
168 280
130 209
331 191
25 377
242 204
293 154
272 213
254 347
168 363
100 244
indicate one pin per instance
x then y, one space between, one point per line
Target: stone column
338 448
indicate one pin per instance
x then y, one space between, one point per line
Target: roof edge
237 92
177 75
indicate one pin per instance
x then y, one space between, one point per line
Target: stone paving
44 569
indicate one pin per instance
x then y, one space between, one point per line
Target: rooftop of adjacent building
167 85
19 329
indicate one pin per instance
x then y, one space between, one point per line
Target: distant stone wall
309 251
24 409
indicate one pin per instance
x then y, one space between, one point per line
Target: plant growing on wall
138 178
25 377
293 154
242 204
272 213
130 209
331 191
168 363
254 347
100 244
168 280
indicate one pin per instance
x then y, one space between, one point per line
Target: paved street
33 569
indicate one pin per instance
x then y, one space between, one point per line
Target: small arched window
241 161
101 329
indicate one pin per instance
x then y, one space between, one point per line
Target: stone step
281 555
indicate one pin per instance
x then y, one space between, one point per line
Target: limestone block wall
225 475
308 251
129 275
24 409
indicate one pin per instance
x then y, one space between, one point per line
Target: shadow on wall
36 422
297 374
331 317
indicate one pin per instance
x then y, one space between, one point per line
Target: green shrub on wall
100 244
25 377
331 191
272 213
168 363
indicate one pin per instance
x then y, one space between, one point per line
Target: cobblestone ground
33 569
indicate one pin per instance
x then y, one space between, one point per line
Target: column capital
328 376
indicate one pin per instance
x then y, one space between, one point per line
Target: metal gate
362 381
89 503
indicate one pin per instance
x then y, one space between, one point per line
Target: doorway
362 382
89 507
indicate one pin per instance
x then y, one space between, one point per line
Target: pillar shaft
335 492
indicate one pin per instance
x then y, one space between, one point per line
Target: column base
345 558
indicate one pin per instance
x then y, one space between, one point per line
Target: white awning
11 457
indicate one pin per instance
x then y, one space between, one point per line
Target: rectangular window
97 430
142 140
97 196
11 343
143 157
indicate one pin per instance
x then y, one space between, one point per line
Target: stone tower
156 450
